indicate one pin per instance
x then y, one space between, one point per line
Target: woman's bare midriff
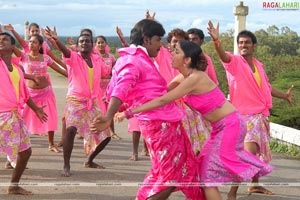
220 113
42 83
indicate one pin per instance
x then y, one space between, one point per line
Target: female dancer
36 63
223 158
108 61
34 28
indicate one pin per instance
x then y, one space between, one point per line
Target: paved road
121 177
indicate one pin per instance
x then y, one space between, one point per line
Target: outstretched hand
290 97
8 27
48 33
149 16
99 124
213 31
119 32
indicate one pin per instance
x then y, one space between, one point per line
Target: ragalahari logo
275 5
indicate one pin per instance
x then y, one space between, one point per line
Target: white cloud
103 16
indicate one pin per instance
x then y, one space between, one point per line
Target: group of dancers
170 94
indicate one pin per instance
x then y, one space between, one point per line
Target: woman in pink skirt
223 158
108 60
36 63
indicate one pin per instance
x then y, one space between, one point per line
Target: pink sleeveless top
207 102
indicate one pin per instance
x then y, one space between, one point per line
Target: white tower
240 12
26 24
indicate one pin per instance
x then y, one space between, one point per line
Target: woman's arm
39 111
57 60
53 34
175 82
21 41
184 88
17 52
58 69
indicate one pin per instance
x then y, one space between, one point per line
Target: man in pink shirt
251 93
136 80
84 72
14 137
197 36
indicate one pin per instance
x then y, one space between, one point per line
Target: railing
285 134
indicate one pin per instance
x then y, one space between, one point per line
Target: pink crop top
207 102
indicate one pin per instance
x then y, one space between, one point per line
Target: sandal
54 149
115 136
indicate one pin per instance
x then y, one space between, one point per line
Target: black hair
87 30
176 32
246 33
33 24
196 31
41 40
101 36
193 51
84 35
145 28
12 39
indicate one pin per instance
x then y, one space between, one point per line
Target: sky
102 16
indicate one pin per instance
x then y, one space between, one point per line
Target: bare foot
93 165
67 172
259 189
145 153
60 144
18 190
134 157
8 165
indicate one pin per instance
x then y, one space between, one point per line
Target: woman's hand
119 117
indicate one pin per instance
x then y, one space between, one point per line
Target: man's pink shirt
78 75
136 80
8 97
245 93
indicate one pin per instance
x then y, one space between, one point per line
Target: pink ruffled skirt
223 158
41 97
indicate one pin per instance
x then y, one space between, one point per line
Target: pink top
107 65
210 70
36 67
78 76
45 47
245 94
164 61
136 80
8 97
207 102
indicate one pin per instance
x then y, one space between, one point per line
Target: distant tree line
279 50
